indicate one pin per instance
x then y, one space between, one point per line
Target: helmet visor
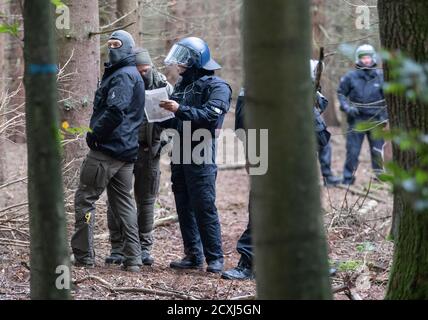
179 55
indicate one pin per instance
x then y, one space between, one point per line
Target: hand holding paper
152 109
169 105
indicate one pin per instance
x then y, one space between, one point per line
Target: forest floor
357 227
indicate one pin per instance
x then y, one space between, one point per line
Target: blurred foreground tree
48 246
291 252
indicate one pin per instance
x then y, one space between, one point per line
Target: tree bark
107 15
404 27
319 40
154 17
2 92
48 235
83 54
177 27
136 7
15 71
291 253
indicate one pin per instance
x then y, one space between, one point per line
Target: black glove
352 111
91 140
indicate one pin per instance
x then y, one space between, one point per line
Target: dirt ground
357 228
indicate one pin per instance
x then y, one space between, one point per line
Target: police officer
201 101
113 141
362 99
323 136
244 269
146 171
324 144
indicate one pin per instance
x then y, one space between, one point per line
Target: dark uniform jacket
204 103
118 112
363 88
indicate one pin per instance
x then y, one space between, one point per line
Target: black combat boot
146 258
348 182
215 266
115 258
243 271
89 264
133 269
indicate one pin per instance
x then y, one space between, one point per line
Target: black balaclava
126 50
192 74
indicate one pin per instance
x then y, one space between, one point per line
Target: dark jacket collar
367 72
362 66
192 75
110 69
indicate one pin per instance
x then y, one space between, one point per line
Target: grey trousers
98 173
146 188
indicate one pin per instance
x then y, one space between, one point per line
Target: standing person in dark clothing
146 172
200 101
362 99
323 136
113 140
244 269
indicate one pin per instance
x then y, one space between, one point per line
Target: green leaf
350 265
12 29
384 177
57 3
77 130
394 88
421 177
366 126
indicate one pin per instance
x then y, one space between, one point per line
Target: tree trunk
404 27
2 92
319 40
107 15
177 28
155 30
136 7
48 249
15 71
83 53
291 253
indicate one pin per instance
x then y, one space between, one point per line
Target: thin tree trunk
48 249
178 27
135 6
319 40
404 27
15 71
83 55
291 253
2 92
155 32
107 15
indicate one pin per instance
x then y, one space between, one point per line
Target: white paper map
155 113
